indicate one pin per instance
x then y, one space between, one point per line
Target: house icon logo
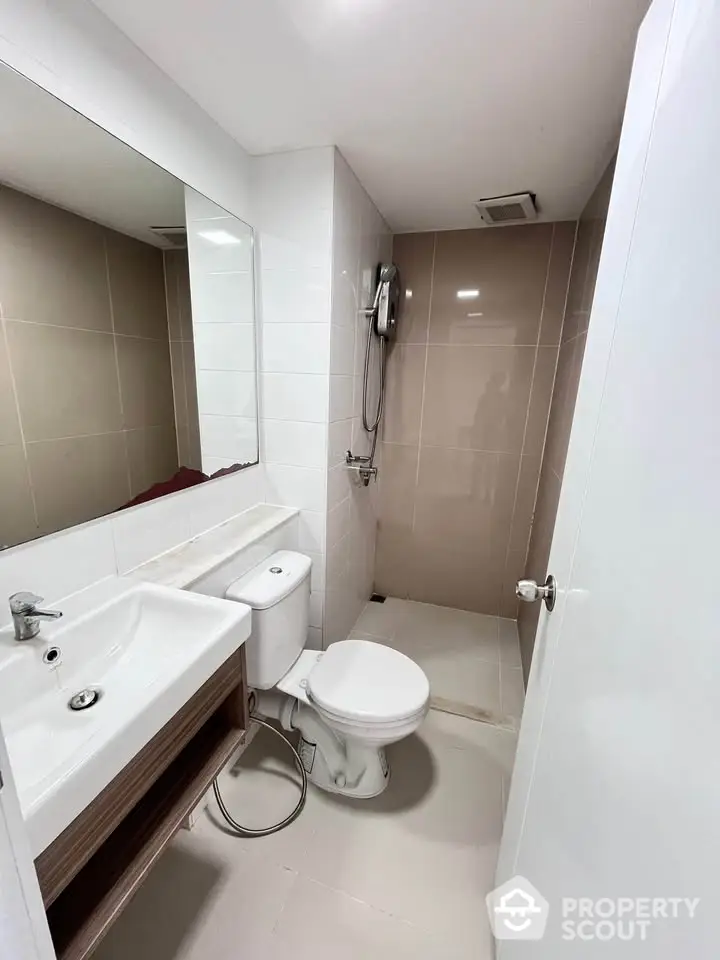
517 911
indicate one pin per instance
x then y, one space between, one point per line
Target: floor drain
84 699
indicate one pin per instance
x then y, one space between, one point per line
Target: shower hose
266 831
371 424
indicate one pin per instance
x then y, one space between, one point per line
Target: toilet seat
365 683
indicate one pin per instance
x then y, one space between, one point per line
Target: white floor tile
319 923
205 898
509 642
512 692
380 619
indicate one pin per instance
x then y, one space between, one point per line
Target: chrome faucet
27 617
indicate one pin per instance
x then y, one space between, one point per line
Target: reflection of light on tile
475 314
220 237
468 294
408 294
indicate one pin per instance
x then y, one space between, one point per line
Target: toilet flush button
276 569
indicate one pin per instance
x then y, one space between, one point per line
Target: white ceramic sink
146 648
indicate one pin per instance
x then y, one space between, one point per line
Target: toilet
347 702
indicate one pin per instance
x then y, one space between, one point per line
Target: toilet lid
362 680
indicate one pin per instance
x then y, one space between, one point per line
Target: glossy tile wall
320 239
293 219
361 240
220 250
591 229
469 385
87 399
182 357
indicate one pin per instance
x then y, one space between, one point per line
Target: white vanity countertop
190 561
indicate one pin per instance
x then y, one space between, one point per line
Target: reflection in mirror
127 348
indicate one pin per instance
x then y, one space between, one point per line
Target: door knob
530 591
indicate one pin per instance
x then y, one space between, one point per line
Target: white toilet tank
278 590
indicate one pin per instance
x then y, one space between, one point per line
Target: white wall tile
341 398
296 296
228 438
222 298
339 441
342 350
338 523
225 346
216 501
296 443
58 565
314 639
226 393
311 528
295 396
317 574
295 348
302 487
140 536
339 484
316 609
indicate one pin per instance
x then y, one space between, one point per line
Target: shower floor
472 661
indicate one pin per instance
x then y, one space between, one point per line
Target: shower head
388 272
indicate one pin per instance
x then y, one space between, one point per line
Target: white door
24 933
616 790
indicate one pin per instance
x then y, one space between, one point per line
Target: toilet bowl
347 702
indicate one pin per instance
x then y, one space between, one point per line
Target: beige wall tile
450 575
396 508
137 287
464 496
152 456
397 482
394 560
193 417
413 254
537 560
514 571
17 514
184 300
508 268
477 397
558 279
177 371
146 382
66 381
563 402
52 265
9 423
403 400
540 397
170 267
524 503
57 466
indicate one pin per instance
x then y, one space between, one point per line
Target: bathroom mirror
127 341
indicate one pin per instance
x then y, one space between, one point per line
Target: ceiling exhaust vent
173 236
516 208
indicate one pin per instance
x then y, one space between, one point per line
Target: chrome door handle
530 591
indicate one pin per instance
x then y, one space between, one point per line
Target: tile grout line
23 440
117 365
424 384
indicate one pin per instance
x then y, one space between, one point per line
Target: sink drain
84 699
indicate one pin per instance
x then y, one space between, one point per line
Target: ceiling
51 152
434 103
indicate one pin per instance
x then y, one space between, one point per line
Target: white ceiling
51 152
434 103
